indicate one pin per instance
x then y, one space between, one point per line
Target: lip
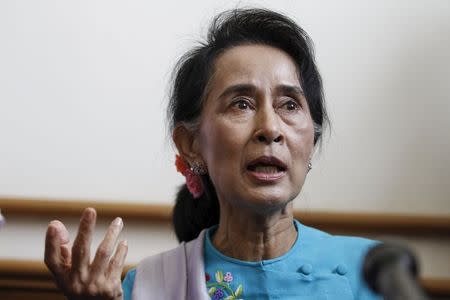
267 177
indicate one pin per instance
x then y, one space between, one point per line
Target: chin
268 200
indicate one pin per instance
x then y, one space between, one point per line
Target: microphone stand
391 270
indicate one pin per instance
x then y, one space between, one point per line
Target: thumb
61 233
57 238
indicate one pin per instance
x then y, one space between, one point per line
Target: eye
291 105
242 104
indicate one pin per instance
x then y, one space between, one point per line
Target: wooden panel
19 277
55 208
30 295
31 269
349 223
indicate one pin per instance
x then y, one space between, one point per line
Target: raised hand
77 277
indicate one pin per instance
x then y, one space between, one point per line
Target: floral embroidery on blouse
221 288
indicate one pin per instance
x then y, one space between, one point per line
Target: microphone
391 271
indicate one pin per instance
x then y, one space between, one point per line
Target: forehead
259 65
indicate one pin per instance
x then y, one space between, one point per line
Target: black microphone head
382 257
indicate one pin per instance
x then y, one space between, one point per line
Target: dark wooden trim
14 269
61 208
335 222
437 286
377 223
34 276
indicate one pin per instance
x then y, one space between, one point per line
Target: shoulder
334 246
160 257
167 269
337 254
149 269
174 255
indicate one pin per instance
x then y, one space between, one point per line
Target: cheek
301 147
222 147
222 143
301 141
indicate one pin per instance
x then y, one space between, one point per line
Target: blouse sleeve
127 284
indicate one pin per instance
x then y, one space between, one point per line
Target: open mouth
266 168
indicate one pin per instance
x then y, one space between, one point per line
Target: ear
187 144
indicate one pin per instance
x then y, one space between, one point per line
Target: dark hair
192 74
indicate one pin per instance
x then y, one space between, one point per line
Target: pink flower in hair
193 182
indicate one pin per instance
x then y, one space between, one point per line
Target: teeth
266 169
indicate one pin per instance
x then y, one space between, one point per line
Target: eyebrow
238 89
250 89
289 89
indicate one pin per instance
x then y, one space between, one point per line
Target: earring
198 169
309 166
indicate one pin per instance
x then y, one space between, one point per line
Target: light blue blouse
318 266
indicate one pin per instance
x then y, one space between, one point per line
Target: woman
246 112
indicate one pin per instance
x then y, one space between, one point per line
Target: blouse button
306 269
341 269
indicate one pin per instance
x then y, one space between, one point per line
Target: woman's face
256 133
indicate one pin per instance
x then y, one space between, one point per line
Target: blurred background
83 91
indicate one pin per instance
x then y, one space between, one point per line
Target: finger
66 255
56 236
117 261
82 244
106 248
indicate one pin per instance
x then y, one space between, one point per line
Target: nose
268 127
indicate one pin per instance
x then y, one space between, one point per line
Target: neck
254 237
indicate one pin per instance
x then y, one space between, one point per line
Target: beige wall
82 97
